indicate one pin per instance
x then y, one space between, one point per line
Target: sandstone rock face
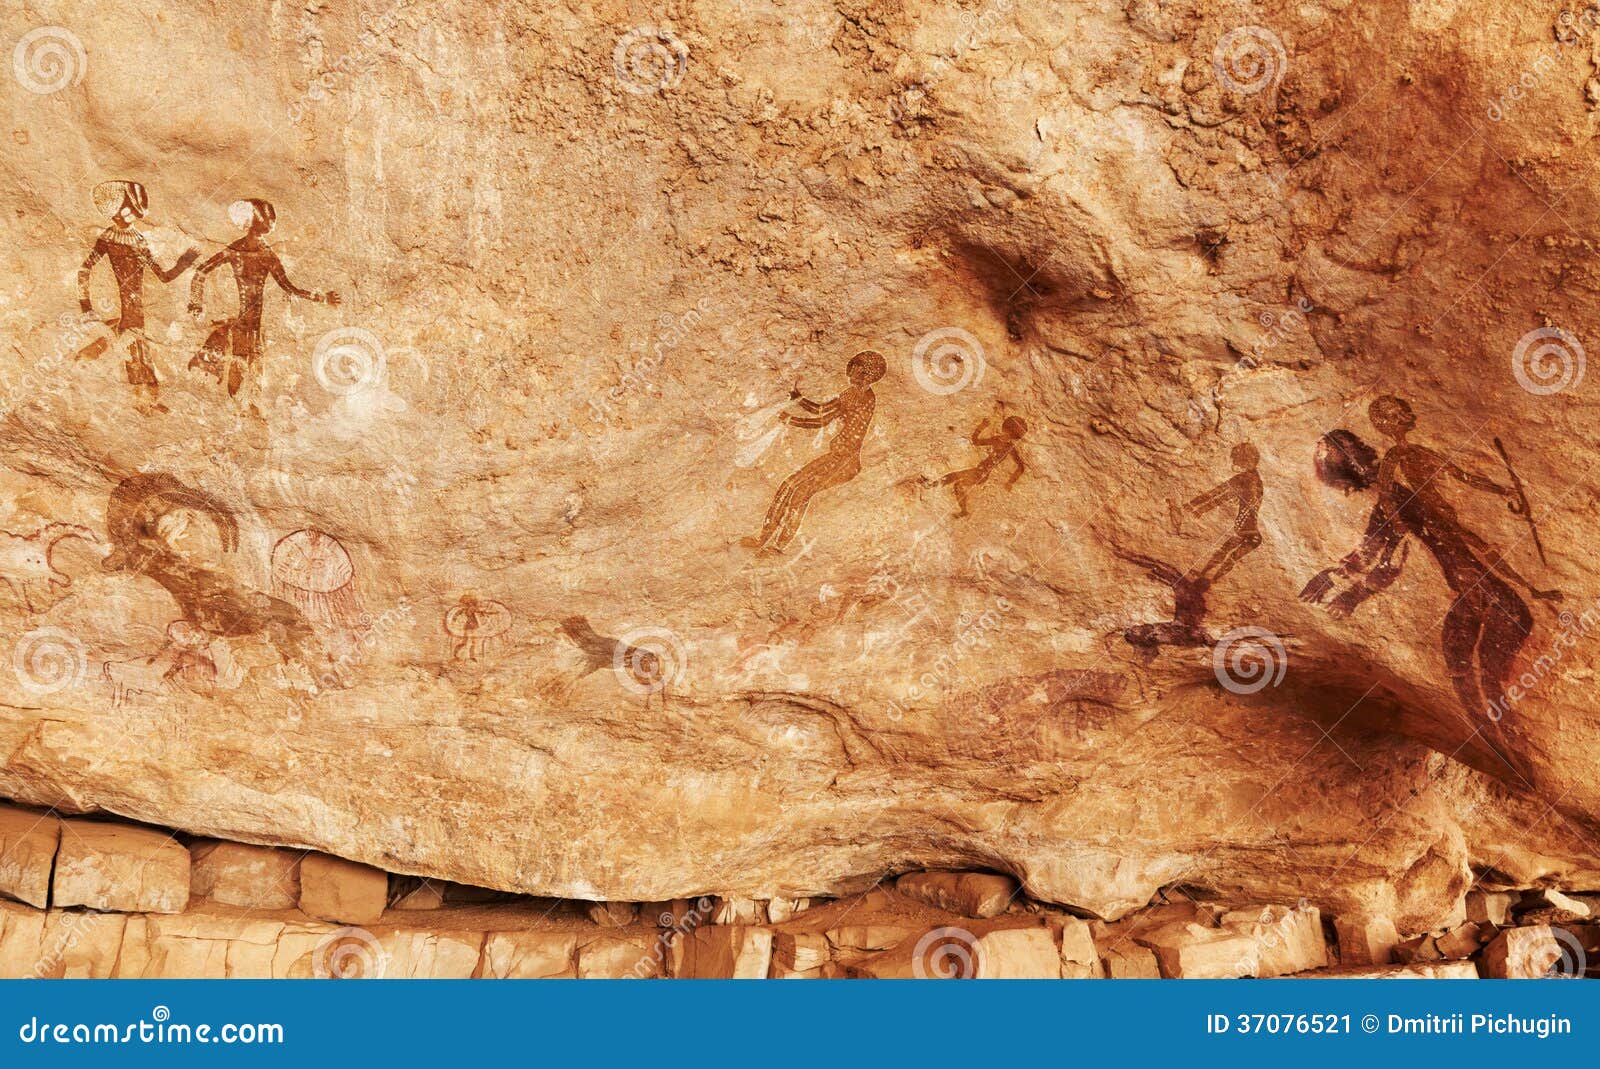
1287 939
333 889
1451 970
796 954
1131 962
1365 939
1005 951
613 914
971 894
241 875
429 556
880 935
723 952
27 851
1080 959
619 958
1489 907
1189 951
117 867
529 956
1522 954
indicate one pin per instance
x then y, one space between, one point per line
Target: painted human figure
1488 622
999 449
473 624
126 250
233 350
1244 534
852 410
1426 471
1187 626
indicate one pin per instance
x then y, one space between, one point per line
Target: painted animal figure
141 675
25 562
210 600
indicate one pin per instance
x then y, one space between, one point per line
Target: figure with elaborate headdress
126 250
232 351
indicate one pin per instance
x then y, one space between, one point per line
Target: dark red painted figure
232 351
126 250
1488 621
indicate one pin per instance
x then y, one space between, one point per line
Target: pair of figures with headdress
233 347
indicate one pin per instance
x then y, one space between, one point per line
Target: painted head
256 216
1391 416
124 201
1013 427
1245 457
865 368
1345 462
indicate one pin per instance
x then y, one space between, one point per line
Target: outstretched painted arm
1016 458
1212 498
281 277
1477 482
189 257
197 286
826 413
1371 566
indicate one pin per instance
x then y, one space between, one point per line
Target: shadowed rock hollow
453 582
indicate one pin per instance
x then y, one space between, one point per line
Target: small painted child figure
1001 447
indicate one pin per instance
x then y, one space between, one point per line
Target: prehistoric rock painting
998 448
1189 588
144 512
313 570
126 250
182 661
473 625
852 410
1244 534
232 352
25 562
1186 628
637 667
1487 622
